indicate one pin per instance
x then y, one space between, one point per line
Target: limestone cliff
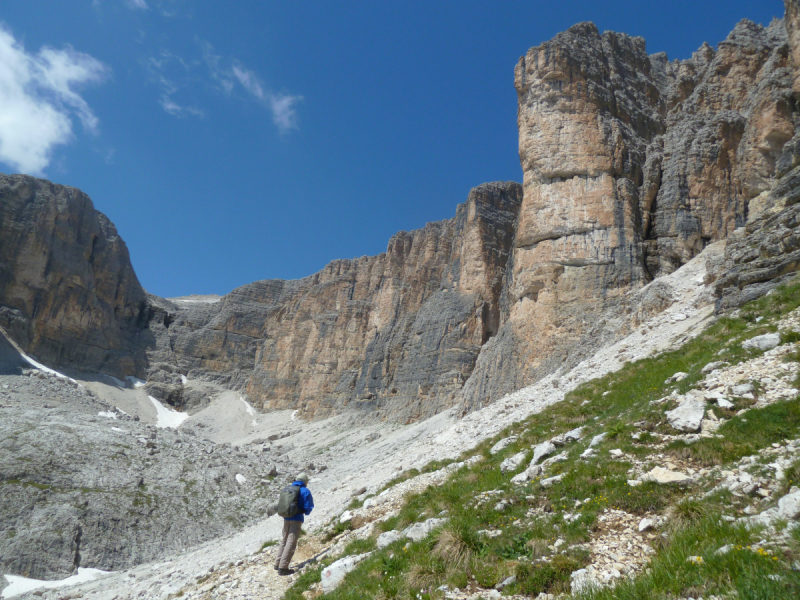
632 164
68 292
395 334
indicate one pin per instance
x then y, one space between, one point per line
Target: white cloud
38 98
136 4
167 62
282 106
176 110
283 112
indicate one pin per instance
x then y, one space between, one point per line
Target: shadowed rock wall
68 292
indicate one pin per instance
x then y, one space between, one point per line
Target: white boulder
502 444
332 576
597 439
419 531
581 581
789 505
388 537
662 475
689 415
646 525
512 463
542 450
762 342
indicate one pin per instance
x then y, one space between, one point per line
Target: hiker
292 505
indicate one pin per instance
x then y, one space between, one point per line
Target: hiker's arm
308 504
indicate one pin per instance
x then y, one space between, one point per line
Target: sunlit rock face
393 336
632 165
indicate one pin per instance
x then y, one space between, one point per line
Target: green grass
618 404
268 544
744 570
745 435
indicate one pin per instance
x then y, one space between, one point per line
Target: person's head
303 477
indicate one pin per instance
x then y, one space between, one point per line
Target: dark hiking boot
285 571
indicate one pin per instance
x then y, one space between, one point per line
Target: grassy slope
457 556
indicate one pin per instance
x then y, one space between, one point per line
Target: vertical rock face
632 164
68 293
395 334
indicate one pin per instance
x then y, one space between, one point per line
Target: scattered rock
542 450
712 366
762 342
662 475
688 416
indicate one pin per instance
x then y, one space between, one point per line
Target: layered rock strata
68 292
395 334
632 165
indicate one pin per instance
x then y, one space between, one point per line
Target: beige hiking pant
291 532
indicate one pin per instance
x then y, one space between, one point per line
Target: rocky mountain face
85 485
68 292
632 164
395 334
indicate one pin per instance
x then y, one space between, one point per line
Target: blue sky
253 139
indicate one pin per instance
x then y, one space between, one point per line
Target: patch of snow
166 416
250 410
18 585
41 367
135 381
196 299
107 414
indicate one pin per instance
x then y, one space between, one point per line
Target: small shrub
790 337
268 544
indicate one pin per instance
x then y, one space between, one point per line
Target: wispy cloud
38 97
176 77
136 4
164 70
282 106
